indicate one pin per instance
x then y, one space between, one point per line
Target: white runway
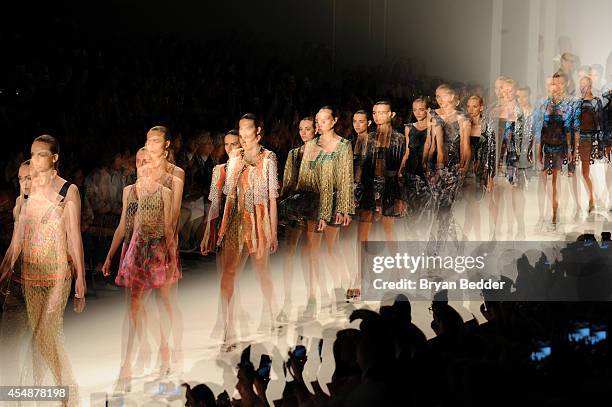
93 338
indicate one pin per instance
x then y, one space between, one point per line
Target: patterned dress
553 121
145 263
319 184
46 276
415 190
607 117
246 223
379 173
448 183
591 130
217 203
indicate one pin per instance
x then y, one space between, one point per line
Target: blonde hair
449 89
478 98
511 82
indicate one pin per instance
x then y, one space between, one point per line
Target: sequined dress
246 223
414 186
326 180
379 169
145 261
46 276
448 183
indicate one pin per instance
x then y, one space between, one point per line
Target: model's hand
274 244
322 225
4 273
80 288
295 366
377 213
401 207
106 267
204 247
346 219
261 250
79 305
463 169
338 219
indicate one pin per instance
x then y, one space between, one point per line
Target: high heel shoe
282 318
165 369
143 362
227 347
178 359
229 340
124 382
311 309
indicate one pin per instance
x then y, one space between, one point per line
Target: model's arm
490 152
72 222
427 153
177 195
272 196
344 182
215 197
359 158
465 128
169 234
407 152
288 179
14 249
119 232
599 117
577 110
439 145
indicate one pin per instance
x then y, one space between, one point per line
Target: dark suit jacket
199 177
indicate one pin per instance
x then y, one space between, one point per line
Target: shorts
553 160
585 148
475 146
517 177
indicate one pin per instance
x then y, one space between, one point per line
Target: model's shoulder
269 154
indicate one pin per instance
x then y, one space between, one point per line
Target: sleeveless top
45 247
591 118
416 143
451 138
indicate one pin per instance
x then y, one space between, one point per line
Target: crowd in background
100 100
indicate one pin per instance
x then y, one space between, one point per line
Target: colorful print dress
145 260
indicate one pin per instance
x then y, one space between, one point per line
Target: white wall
589 24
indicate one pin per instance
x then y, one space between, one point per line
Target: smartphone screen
300 351
579 335
541 353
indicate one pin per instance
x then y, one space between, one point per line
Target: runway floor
93 338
